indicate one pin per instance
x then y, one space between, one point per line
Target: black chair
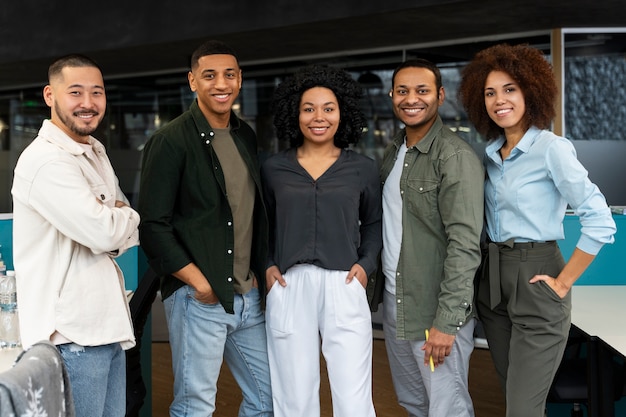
570 383
140 307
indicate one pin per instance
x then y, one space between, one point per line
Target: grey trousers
443 393
527 331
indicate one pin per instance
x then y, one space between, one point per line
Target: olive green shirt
442 217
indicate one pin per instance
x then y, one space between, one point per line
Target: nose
87 101
319 114
412 97
220 81
499 98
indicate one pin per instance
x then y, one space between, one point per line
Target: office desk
598 311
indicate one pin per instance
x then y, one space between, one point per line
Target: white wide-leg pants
317 303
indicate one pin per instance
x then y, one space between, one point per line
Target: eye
401 92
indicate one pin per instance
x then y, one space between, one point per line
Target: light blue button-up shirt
526 195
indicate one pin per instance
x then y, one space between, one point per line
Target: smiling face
77 101
504 102
319 115
217 81
416 98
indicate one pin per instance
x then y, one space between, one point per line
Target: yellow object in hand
432 364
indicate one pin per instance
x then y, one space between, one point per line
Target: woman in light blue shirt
509 94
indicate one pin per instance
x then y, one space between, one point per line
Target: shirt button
211 134
397 274
421 188
230 251
229 223
406 165
399 301
229 279
401 191
202 134
460 323
207 141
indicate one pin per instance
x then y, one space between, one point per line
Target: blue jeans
97 379
201 337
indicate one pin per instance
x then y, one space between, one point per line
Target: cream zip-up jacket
66 231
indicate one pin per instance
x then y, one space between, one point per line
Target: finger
281 281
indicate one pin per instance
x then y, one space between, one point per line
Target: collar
523 145
424 145
202 123
53 134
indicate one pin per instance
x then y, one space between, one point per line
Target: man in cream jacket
70 219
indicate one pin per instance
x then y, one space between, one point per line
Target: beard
74 127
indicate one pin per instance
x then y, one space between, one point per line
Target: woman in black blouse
324 204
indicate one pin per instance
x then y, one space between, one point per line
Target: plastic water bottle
3 267
9 321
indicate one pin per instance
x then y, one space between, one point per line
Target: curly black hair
286 104
528 67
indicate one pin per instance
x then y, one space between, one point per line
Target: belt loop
494 276
523 253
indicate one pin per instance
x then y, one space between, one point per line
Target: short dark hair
528 67
212 47
419 63
72 60
287 96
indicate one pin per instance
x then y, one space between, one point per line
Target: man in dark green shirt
204 230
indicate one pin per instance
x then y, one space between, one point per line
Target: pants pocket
350 302
278 318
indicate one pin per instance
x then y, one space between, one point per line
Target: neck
416 133
318 149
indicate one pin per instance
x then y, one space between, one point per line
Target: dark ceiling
131 43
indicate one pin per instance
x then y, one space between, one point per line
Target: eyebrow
417 86
82 86
214 70
505 85
313 104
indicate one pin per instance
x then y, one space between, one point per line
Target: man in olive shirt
432 220
204 230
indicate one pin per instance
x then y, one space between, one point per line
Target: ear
442 95
192 81
48 95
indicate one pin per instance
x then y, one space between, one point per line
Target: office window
595 85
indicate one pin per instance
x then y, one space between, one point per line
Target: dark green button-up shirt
185 215
442 218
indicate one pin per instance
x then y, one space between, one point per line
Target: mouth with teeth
318 130
412 110
86 115
503 112
222 98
